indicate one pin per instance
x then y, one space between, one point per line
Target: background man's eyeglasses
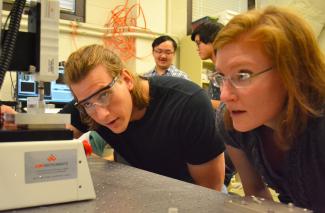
161 52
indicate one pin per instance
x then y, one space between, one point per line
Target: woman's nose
228 92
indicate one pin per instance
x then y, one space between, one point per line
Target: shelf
191 63
205 82
208 65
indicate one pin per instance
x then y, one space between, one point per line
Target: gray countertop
123 189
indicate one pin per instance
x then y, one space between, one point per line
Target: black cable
4 28
11 37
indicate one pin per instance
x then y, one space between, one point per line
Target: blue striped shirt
171 71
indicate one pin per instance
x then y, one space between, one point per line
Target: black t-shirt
177 128
75 116
303 178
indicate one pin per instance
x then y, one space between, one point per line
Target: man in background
204 35
163 51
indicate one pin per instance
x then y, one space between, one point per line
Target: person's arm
203 150
76 132
251 180
210 174
76 125
215 103
7 109
7 124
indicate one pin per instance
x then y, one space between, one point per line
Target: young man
151 123
203 35
163 51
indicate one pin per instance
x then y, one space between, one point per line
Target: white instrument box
38 173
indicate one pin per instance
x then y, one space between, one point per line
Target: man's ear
127 78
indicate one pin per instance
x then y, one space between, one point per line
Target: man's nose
102 110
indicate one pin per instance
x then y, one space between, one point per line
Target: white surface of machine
43 172
49 41
44 21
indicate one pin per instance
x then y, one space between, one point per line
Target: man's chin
204 57
164 66
117 130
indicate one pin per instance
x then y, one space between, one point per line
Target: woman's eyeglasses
238 80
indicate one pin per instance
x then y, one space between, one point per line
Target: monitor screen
27 87
60 92
54 92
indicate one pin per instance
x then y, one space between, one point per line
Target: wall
7 92
161 17
170 19
312 10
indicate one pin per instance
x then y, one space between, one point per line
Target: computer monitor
60 92
27 87
54 92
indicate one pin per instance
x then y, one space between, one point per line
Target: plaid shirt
171 71
214 92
